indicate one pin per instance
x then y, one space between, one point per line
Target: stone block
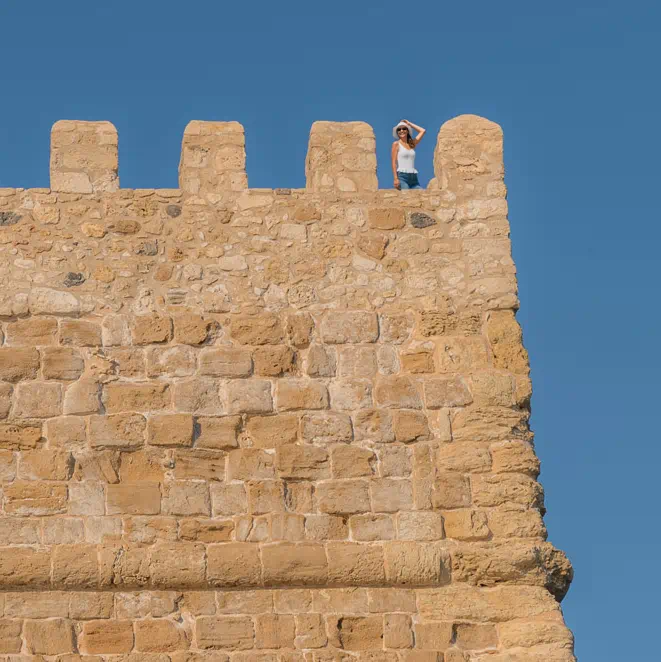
298 461
247 396
142 466
351 394
35 498
124 397
356 633
325 527
350 327
384 600
250 464
75 566
117 431
265 496
352 461
489 424
450 490
32 332
217 433
506 343
390 495
410 425
107 637
24 567
294 564
261 329
17 363
82 398
133 499
45 465
299 328
417 563
158 635
294 394
273 360
274 631
491 490
374 425
80 333
62 363
225 362
398 392
463 457
461 355
86 605
86 498
225 632
343 497
511 521
320 361
398 631
178 565
466 524
355 564
447 392
151 329
198 396
272 431
514 457
418 362
371 527
199 465
326 427
37 400
420 525
49 637
10 636
177 361
228 499
175 430
386 219
191 329
206 530
310 631
185 498
65 432
433 635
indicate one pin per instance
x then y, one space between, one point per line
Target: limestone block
198 465
514 456
417 563
37 400
49 637
356 633
262 329
160 635
352 461
294 564
410 425
35 498
343 497
117 431
374 425
10 636
32 332
225 632
341 158
170 430
150 329
397 392
198 396
134 499
351 394
355 564
80 333
297 461
326 427
499 489
75 566
17 363
398 632
272 431
229 499
247 396
505 338
371 528
177 361
83 157
466 524
225 362
24 567
129 397
350 327
310 631
320 361
294 394
274 631
191 329
45 465
106 637
433 635
217 433
180 564
250 464
511 521
186 497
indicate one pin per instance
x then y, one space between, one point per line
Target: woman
403 155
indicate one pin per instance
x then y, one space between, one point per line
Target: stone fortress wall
273 425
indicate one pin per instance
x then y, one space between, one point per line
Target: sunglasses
402 129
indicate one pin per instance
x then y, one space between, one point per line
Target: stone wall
272 425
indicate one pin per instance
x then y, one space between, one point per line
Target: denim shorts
408 180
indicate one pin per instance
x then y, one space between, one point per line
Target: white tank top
405 159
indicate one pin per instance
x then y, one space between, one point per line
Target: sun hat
400 123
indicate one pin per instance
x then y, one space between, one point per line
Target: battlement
282 425
341 156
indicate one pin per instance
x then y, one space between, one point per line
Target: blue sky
575 85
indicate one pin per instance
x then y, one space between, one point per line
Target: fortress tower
269 425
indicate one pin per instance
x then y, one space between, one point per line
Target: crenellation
283 424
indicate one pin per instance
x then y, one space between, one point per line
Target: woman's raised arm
419 129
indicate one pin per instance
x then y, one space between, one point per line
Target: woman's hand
397 184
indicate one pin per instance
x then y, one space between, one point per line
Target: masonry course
282 425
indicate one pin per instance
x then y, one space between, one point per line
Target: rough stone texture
289 425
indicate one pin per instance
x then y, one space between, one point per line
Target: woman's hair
409 140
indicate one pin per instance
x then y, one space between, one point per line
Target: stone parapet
283 425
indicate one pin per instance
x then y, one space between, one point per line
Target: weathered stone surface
251 425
